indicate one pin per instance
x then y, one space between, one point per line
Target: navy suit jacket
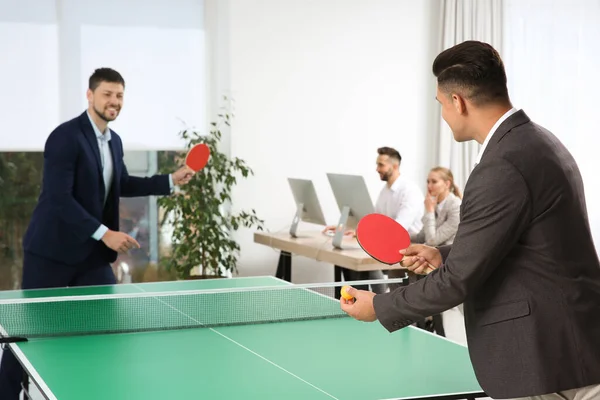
70 207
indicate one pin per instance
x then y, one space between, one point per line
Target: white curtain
552 57
465 20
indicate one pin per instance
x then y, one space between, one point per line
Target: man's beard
386 176
105 117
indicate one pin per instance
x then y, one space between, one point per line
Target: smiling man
73 235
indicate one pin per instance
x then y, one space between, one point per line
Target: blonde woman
442 209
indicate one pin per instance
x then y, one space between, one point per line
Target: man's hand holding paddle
388 242
182 176
385 240
195 160
419 258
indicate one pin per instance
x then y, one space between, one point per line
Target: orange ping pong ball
344 292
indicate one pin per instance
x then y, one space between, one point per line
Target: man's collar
396 185
492 131
99 134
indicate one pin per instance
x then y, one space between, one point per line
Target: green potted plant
202 225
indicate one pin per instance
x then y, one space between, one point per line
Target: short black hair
390 152
473 70
105 75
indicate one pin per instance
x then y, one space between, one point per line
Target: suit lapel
116 167
450 200
90 136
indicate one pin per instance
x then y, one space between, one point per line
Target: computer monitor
353 200
308 208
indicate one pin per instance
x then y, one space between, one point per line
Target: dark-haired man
73 235
523 260
400 199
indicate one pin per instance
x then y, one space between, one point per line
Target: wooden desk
317 246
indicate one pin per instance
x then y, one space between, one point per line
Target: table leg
25 386
284 266
438 325
337 277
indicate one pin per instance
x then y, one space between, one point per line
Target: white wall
318 86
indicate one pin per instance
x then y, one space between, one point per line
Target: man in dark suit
73 235
523 260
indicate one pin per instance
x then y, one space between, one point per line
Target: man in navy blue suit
74 232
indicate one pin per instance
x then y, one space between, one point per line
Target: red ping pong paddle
197 157
382 238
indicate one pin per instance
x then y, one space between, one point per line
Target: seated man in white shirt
399 198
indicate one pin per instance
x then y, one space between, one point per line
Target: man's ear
459 104
90 95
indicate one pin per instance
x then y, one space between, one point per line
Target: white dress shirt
492 131
440 206
107 167
403 201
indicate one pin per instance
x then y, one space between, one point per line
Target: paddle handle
430 269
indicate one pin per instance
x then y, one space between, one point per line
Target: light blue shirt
107 168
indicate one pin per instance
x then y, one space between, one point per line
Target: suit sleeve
60 158
134 186
444 251
496 211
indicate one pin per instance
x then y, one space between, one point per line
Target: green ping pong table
251 338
